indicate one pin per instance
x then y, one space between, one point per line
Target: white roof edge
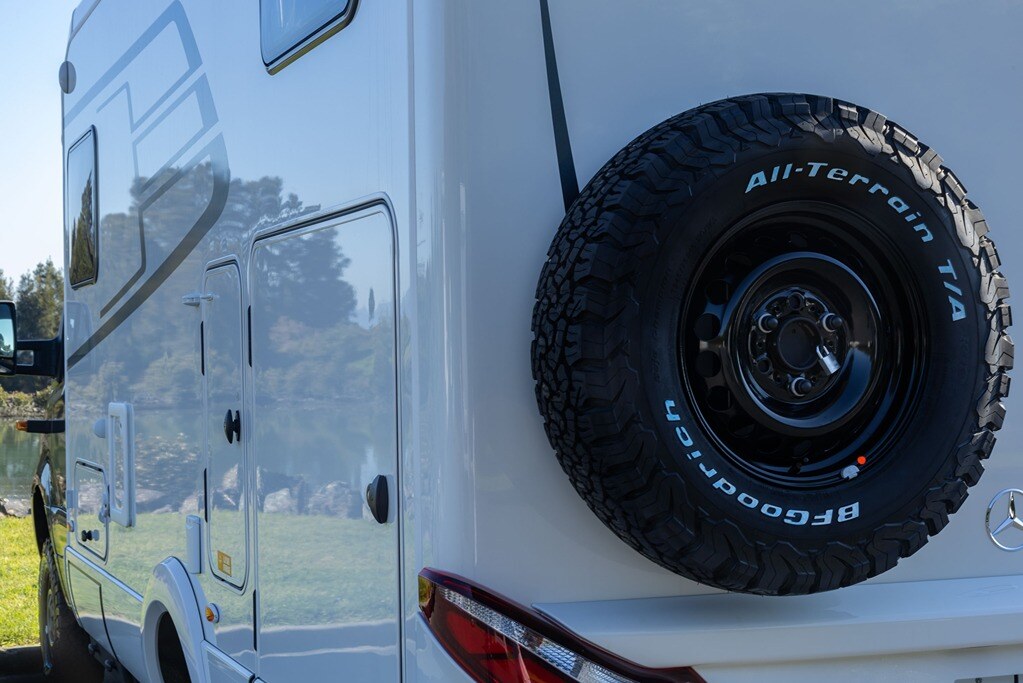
864 620
78 17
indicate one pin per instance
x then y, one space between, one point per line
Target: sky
33 34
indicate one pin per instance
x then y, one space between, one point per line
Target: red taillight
497 641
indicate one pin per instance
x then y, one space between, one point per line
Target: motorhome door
324 429
225 466
227 472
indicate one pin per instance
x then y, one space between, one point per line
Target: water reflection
19 455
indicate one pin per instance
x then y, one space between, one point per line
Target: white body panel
420 137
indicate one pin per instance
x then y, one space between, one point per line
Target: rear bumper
868 620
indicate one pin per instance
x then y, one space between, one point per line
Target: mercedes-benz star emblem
1004 517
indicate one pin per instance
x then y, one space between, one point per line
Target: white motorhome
546 340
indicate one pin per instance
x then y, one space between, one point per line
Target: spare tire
770 344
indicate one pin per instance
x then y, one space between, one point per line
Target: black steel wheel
801 348
770 344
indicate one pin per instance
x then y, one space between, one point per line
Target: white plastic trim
223 669
170 592
120 433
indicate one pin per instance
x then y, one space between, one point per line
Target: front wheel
65 645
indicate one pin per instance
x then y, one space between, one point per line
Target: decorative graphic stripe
221 183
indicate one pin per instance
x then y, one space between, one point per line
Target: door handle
233 426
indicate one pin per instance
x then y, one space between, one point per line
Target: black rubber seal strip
249 325
562 143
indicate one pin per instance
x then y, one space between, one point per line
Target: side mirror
41 357
8 338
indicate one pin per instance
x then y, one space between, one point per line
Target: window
82 211
290 28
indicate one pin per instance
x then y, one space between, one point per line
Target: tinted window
286 23
83 261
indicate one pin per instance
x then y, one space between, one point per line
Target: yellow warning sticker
224 562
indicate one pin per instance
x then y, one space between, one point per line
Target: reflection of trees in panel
343 367
165 471
155 363
344 372
337 373
313 265
160 357
83 243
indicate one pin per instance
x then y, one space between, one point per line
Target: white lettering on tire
727 488
900 206
812 169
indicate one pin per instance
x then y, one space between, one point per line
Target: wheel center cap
795 344
796 341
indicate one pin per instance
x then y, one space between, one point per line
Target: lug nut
800 387
767 323
831 322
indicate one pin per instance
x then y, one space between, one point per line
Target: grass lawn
349 555
19 569
352 556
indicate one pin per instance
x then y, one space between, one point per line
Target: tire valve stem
851 471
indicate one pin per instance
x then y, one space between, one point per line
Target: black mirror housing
40 357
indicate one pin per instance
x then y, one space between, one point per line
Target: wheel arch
40 517
170 592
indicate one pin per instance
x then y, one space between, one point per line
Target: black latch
233 426
377 498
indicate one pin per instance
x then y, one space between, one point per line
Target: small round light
212 613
